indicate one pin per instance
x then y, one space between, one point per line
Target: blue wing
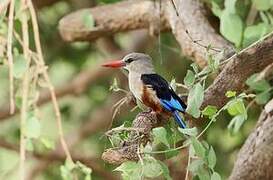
168 98
174 106
163 91
171 104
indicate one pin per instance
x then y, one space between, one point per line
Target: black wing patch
161 87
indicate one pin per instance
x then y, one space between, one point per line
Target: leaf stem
10 56
25 91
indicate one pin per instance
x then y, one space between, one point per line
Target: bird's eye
129 60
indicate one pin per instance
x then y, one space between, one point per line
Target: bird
148 87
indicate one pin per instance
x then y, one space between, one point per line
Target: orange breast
150 99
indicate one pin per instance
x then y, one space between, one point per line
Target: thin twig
208 47
25 91
3 5
187 169
116 109
10 56
47 79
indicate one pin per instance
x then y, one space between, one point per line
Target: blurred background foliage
66 60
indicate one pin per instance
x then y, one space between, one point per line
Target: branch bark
239 67
145 122
130 15
255 159
194 34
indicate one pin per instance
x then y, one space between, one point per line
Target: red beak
114 64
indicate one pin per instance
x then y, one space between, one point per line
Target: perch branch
145 121
239 68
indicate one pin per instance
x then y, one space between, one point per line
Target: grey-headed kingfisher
149 88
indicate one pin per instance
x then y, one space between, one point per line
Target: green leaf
195 99
148 148
114 87
211 158
65 173
213 63
195 68
206 145
87 177
18 101
165 171
263 97
48 143
189 131
32 127
203 173
264 17
171 154
84 169
209 111
231 27
216 10
66 170
237 107
255 32
230 94
19 66
191 151
88 20
215 176
236 123
262 5
130 170
198 148
189 79
29 145
230 6
195 165
269 18
69 164
151 168
258 85
160 136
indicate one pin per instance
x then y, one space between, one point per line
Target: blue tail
179 120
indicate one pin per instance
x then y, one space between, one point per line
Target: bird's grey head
138 63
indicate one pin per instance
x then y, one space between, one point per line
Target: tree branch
145 122
109 19
255 159
239 67
130 15
194 34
